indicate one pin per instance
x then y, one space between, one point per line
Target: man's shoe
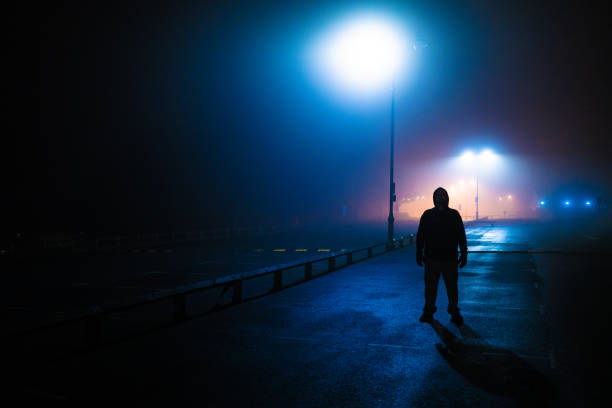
457 319
426 318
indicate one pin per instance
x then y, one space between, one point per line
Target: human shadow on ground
494 369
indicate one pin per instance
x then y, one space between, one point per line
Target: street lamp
475 162
362 56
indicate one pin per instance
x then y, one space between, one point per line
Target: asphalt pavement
352 339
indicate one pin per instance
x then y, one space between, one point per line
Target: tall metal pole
476 196
391 183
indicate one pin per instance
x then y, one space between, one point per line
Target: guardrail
86 331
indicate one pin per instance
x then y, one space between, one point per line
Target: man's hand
419 258
463 260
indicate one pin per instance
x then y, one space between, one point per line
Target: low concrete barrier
86 331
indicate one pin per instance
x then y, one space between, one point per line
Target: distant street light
476 161
363 55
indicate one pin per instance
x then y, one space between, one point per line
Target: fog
207 114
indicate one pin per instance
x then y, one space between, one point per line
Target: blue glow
542 202
587 203
362 55
567 203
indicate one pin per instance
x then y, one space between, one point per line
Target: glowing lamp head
587 203
467 158
542 202
487 156
363 54
567 203
485 159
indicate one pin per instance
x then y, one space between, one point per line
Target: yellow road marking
301 250
280 250
323 250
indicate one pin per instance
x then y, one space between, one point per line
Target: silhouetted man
440 232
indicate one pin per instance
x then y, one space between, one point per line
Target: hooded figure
440 199
440 233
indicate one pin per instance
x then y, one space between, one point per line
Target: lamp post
474 162
361 56
392 197
476 199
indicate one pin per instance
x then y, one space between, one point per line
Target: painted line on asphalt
527 309
396 346
305 339
481 303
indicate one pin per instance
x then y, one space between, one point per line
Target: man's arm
462 242
420 241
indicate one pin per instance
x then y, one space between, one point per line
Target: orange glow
417 181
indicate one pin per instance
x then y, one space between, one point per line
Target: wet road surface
536 334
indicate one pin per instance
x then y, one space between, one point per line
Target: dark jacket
440 233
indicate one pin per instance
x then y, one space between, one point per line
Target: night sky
176 117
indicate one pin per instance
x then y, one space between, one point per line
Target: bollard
349 258
331 264
308 271
237 292
278 279
179 308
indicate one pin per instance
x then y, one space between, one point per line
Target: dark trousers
450 274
